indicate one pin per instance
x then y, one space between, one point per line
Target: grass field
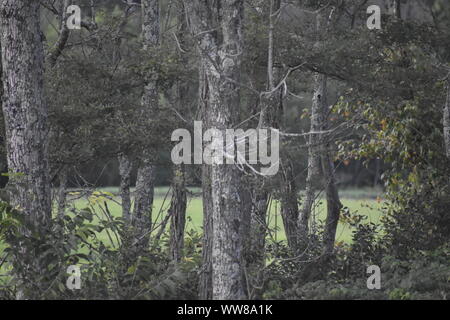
362 201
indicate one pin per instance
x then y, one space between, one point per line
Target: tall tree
269 115
218 28
320 161
205 283
313 175
24 108
447 119
25 115
177 209
145 180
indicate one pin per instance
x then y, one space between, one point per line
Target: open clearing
363 201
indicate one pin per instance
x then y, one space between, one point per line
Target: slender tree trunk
62 191
64 33
125 167
319 154
269 117
177 209
205 285
313 161
144 193
319 123
447 119
24 108
274 105
334 205
289 204
177 213
258 223
3 160
143 200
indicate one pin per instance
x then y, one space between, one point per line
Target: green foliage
36 261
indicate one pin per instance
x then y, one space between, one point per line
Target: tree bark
334 205
24 109
225 183
205 285
143 201
447 120
319 155
269 117
313 161
272 112
221 52
177 209
125 167
144 193
25 115
62 191
289 204
177 213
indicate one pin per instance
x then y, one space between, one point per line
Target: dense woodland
95 106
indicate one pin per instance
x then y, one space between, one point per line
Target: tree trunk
125 167
313 161
24 109
224 97
221 55
333 202
447 119
177 209
144 193
319 146
62 191
206 285
269 117
25 114
143 201
177 213
334 205
289 205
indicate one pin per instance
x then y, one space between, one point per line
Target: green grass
367 206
